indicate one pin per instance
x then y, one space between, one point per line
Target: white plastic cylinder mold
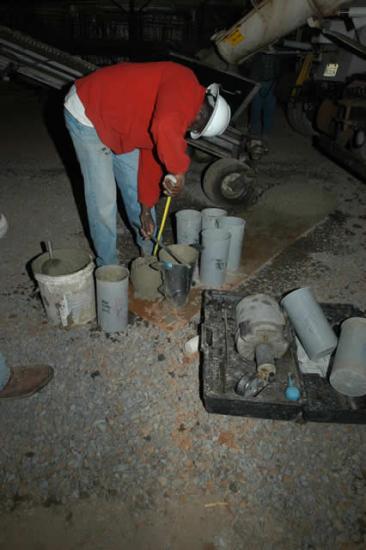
236 227
214 255
348 374
210 217
189 224
112 297
312 328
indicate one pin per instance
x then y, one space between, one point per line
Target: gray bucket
310 323
189 223
236 227
68 299
187 253
112 297
210 217
214 255
348 374
177 278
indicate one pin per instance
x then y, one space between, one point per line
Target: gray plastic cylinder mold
214 255
210 217
236 227
348 374
189 223
312 328
112 297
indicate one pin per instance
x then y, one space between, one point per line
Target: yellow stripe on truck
234 38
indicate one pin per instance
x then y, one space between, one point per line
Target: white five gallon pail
68 299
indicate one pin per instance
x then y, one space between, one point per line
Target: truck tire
298 118
229 182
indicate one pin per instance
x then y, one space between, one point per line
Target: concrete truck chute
266 23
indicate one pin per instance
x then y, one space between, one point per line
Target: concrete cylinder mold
112 297
312 328
235 226
214 255
348 374
189 224
210 217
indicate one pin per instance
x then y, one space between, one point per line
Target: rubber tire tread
212 182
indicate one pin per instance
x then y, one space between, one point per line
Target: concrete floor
84 465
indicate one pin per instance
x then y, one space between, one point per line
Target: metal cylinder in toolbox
210 217
112 297
189 223
68 299
260 320
236 227
312 328
214 255
348 374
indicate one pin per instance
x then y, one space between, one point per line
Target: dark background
106 31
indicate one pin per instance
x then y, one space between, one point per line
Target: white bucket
68 299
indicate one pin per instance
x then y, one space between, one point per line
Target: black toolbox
222 367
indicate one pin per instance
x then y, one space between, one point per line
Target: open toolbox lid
222 367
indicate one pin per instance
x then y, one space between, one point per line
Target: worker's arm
169 129
147 222
179 100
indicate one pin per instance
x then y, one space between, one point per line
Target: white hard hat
220 117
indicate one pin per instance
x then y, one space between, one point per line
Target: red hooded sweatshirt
148 106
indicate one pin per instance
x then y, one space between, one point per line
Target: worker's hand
147 222
173 184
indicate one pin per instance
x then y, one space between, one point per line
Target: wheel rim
235 185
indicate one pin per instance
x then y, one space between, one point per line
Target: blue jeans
4 372
101 169
262 110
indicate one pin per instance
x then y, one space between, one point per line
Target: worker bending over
128 124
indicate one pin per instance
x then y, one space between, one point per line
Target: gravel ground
118 450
